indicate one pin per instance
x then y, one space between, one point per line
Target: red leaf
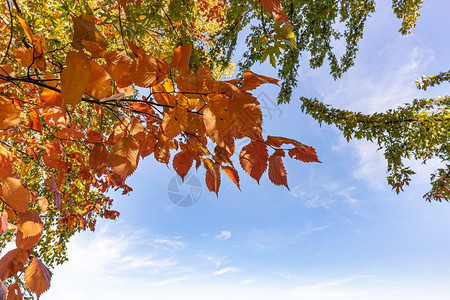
232 174
304 153
182 162
275 9
253 159
37 277
277 172
14 292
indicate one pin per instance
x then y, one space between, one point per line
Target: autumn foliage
71 132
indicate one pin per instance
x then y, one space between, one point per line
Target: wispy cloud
223 235
226 271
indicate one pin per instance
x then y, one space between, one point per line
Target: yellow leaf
119 66
25 27
149 71
75 76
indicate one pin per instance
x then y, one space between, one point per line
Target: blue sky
339 233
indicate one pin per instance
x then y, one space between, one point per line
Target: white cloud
226 271
247 281
223 235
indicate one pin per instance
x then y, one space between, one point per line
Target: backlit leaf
182 162
9 114
15 194
124 156
30 224
277 172
12 262
252 80
253 159
37 277
75 76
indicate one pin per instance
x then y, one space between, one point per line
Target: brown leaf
84 30
252 80
124 156
253 159
37 277
275 9
119 67
12 262
15 194
30 224
75 76
232 174
182 162
148 71
9 114
6 162
138 52
95 50
3 221
99 82
180 59
212 177
277 172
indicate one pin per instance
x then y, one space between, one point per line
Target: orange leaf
6 162
43 204
138 52
182 162
253 159
37 277
25 57
212 178
30 224
25 27
148 71
6 70
277 172
94 48
75 76
14 292
232 174
35 122
147 146
15 194
252 80
27 243
84 29
275 9
180 59
99 82
124 156
12 262
97 158
119 67
9 114
50 97
174 121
